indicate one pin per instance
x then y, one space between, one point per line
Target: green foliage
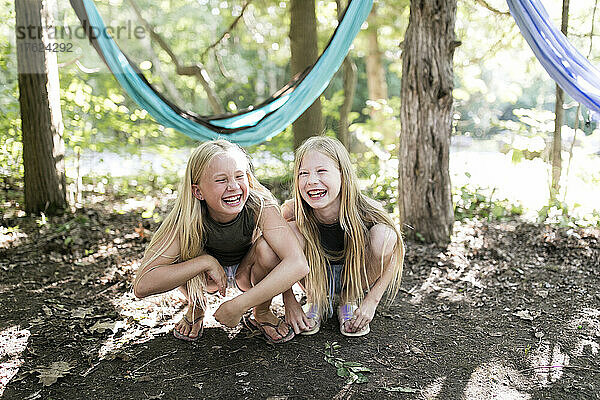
108 120
353 371
471 202
558 213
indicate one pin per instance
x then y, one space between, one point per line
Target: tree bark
350 78
376 82
39 99
304 49
559 113
425 201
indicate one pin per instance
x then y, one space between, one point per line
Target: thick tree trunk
350 78
376 84
559 112
39 98
304 48
425 201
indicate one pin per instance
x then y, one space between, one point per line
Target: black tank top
332 240
229 242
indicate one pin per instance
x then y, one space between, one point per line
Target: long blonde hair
357 214
185 220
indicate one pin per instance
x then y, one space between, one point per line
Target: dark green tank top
229 242
332 240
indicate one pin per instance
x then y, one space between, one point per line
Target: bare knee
265 256
382 243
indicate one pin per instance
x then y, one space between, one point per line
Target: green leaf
352 364
343 372
360 369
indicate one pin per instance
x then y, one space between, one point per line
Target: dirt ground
508 310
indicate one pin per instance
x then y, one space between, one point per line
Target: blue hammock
569 68
248 127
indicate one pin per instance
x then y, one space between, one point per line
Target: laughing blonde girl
208 238
353 248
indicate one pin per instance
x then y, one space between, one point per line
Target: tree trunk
350 78
304 49
39 98
559 112
376 82
425 201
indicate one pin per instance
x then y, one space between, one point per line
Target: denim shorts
334 276
230 272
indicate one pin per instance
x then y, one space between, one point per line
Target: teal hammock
248 127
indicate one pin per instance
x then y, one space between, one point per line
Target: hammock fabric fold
251 126
569 68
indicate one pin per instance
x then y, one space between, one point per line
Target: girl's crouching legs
272 327
190 327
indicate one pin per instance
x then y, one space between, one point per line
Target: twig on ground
154 359
388 365
209 370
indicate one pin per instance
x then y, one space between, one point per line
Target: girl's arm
161 275
291 268
383 246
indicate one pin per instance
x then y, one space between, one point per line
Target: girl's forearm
376 292
280 279
162 278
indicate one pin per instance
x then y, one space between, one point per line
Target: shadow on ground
508 310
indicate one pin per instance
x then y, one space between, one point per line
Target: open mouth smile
233 200
317 193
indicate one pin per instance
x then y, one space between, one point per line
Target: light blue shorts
334 275
230 272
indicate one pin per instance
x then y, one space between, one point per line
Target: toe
195 330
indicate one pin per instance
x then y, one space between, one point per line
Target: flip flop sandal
345 314
312 312
190 324
252 324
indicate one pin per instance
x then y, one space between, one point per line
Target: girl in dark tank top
210 231
336 224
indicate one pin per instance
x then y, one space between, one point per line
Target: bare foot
277 331
228 314
190 326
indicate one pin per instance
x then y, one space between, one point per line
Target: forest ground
508 310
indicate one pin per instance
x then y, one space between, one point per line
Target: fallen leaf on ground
50 374
114 326
81 312
525 314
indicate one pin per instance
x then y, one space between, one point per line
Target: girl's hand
216 273
363 315
228 313
295 316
